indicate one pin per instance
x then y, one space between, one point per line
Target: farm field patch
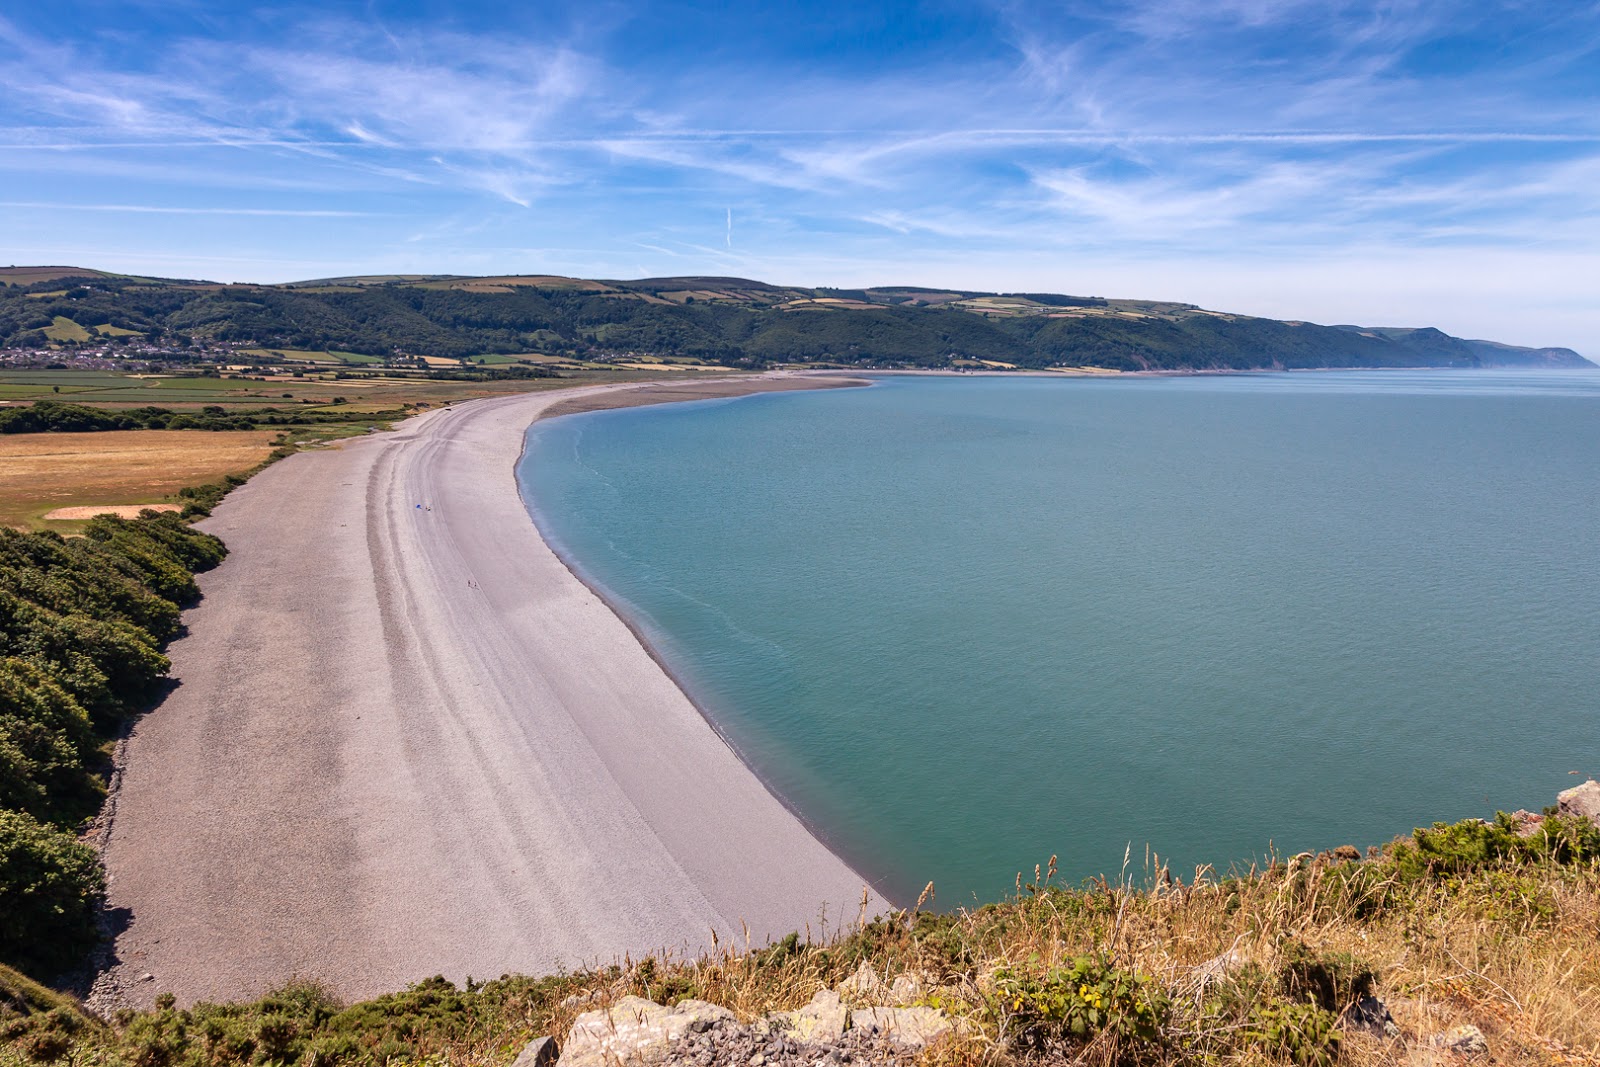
64 329
40 472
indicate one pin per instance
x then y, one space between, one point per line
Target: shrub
1300 1033
46 741
1456 848
1081 1001
51 886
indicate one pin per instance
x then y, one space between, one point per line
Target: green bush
1081 1001
51 886
46 743
1457 848
1332 981
81 628
1301 1033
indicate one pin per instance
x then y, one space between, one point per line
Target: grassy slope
1467 925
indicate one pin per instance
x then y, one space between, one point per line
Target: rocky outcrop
863 986
824 1019
906 1027
634 1032
1581 800
540 1052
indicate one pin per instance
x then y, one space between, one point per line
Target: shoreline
627 613
421 743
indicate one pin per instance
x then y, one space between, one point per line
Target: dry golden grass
1509 946
121 511
44 471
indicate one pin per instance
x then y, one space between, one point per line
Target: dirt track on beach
407 741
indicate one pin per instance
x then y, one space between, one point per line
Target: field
64 329
311 356
379 391
43 471
34 275
115 389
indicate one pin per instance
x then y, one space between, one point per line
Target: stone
863 985
1581 800
1526 823
907 1027
1203 976
1465 1040
1370 1015
635 1032
823 1020
906 990
540 1052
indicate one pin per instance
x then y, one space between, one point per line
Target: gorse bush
50 886
1082 1000
1447 849
47 744
1302 1034
82 623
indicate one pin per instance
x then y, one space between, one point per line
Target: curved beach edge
409 740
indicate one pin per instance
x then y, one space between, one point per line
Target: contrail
730 227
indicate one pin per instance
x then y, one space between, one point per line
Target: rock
824 1019
1465 1040
907 990
635 1032
907 1027
863 985
540 1052
1581 800
1526 823
1203 976
1369 1015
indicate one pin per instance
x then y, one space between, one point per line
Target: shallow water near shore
963 624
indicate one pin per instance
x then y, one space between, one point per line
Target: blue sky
1398 163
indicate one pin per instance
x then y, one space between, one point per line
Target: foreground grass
1464 925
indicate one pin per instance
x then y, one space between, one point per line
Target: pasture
40 472
64 329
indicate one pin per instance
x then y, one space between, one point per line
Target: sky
1399 163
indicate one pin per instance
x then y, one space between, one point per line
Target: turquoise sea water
963 624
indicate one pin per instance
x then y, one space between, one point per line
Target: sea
965 624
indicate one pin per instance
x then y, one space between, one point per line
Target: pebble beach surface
407 741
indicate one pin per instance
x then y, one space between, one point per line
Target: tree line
53 416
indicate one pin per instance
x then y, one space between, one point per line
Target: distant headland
546 321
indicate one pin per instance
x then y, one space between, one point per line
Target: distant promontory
727 321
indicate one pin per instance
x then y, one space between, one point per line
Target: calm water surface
965 624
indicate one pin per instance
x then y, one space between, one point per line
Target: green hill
735 321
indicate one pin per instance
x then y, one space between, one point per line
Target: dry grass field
40 472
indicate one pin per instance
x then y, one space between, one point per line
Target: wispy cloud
1115 131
